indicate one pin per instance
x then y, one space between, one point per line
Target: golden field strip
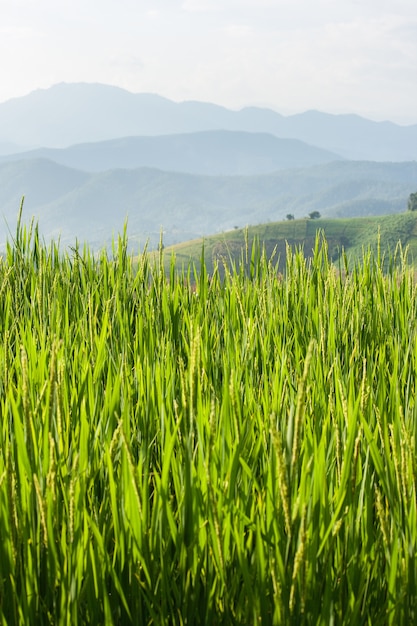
178 448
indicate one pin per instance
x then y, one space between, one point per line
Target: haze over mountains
92 206
97 154
67 114
216 152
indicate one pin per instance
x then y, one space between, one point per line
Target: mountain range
217 152
67 114
71 203
88 157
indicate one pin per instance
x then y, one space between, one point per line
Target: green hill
349 238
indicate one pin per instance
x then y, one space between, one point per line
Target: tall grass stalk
181 449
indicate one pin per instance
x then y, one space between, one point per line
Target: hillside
93 206
353 236
67 114
43 181
218 153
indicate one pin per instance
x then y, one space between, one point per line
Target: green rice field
178 448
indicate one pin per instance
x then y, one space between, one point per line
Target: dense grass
189 450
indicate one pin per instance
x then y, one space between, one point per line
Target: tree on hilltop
412 202
314 215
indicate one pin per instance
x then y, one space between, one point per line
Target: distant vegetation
185 449
352 238
412 202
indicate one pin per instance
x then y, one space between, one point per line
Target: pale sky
337 56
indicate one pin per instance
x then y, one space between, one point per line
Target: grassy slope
353 236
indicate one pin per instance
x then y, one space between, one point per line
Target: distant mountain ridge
72 204
208 152
67 114
191 169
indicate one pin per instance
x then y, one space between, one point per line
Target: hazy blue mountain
356 137
209 152
91 206
40 180
67 114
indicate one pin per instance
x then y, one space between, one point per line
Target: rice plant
178 448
